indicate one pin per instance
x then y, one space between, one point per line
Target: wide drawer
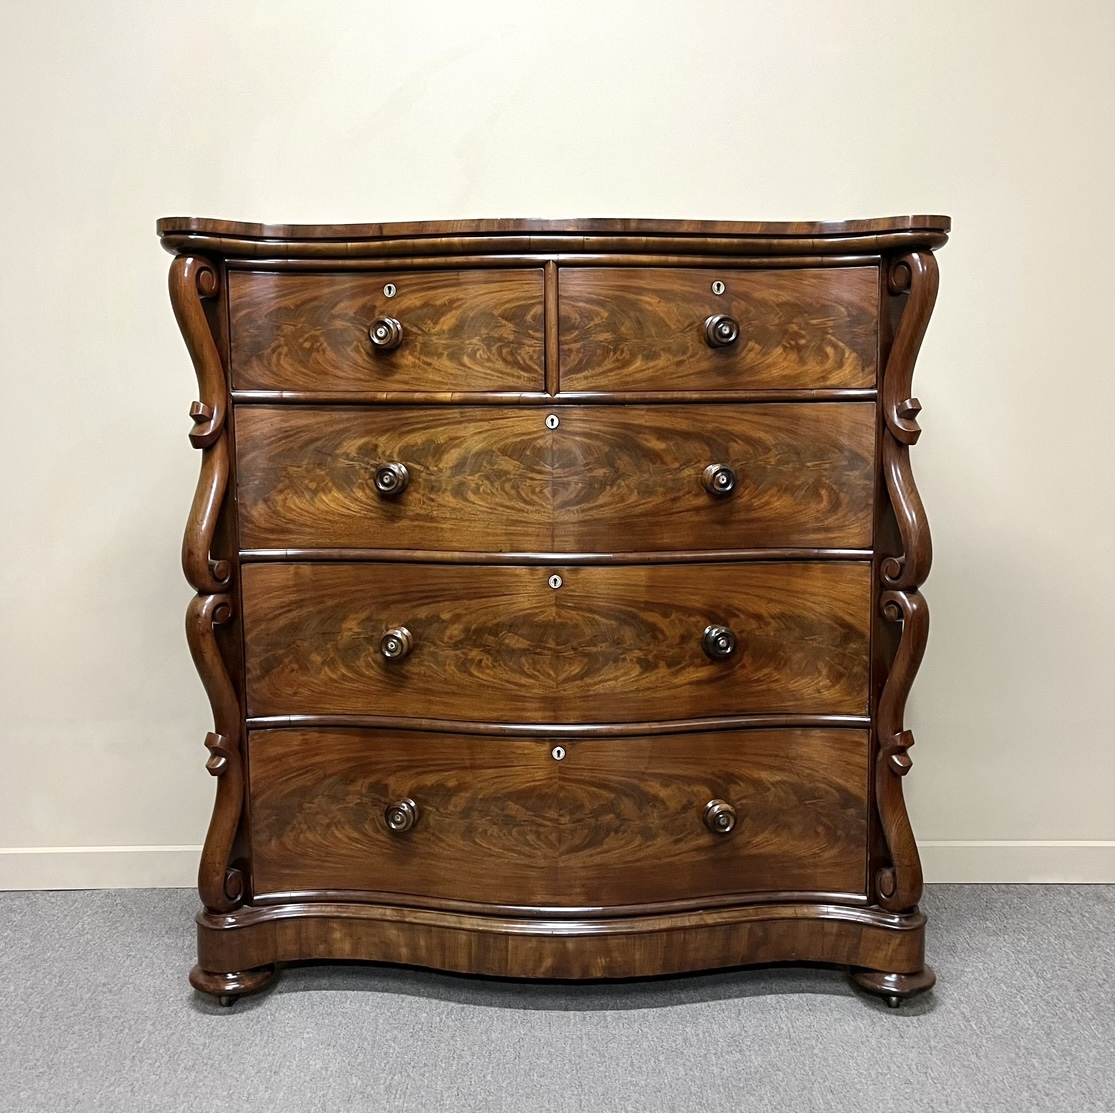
609 644
605 479
614 822
626 329
462 330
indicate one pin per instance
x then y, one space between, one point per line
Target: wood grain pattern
643 329
612 823
488 228
606 480
601 864
480 478
462 330
612 644
629 478
580 239
627 947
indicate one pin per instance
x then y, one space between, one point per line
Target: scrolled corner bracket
193 279
220 886
914 274
899 885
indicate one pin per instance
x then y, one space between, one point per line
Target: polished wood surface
630 478
565 576
628 947
480 478
828 229
609 824
518 240
611 643
460 330
605 479
644 328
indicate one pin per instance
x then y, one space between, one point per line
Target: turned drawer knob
396 643
721 330
719 479
718 642
402 815
391 479
386 333
720 817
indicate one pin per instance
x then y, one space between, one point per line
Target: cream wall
998 113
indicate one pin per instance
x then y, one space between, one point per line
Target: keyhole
551 421
389 290
557 753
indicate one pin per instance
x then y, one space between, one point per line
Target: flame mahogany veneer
558 593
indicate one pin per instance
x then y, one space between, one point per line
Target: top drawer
630 329
464 330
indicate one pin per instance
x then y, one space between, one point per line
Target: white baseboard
1073 862
945 861
98 867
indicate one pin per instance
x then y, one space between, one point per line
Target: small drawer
606 479
615 822
665 329
441 331
577 644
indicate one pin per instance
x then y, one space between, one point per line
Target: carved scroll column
899 885
193 279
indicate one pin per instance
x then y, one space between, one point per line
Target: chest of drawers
557 593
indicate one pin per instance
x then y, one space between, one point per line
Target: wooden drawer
612 643
615 822
607 479
463 330
478 478
644 478
626 329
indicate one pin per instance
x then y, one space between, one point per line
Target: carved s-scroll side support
917 274
899 885
221 888
191 280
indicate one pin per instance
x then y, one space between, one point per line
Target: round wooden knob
720 817
721 330
386 333
718 642
719 479
402 815
391 479
396 643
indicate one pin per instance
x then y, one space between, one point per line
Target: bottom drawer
614 822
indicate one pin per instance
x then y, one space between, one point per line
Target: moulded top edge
178 225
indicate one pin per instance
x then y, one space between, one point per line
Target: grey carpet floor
96 1014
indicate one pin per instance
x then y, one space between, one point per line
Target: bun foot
227 987
895 988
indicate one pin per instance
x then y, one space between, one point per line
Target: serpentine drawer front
485 478
609 823
557 593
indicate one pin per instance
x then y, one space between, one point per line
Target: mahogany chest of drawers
557 593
